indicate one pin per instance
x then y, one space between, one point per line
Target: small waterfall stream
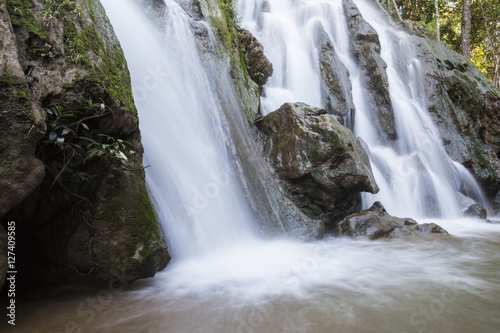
200 203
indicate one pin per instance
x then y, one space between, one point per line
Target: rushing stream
223 277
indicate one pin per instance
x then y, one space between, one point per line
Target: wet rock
476 211
320 163
366 49
258 66
335 84
72 225
21 124
3 256
375 223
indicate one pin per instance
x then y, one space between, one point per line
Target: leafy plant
69 145
112 151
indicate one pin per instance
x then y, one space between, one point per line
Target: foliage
485 30
70 145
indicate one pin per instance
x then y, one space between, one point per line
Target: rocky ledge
375 223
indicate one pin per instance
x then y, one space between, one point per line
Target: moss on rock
69 60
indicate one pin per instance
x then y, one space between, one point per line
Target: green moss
141 225
21 16
14 95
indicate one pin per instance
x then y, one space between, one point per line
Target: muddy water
336 285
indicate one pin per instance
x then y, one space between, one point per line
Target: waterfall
415 175
189 176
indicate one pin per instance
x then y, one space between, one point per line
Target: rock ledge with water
375 223
319 162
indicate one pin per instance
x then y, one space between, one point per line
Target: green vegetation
55 10
227 28
21 16
72 142
484 34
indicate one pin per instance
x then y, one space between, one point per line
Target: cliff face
71 153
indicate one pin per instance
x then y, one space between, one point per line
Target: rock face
321 164
465 106
21 124
65 83
335 84
366 49
375 223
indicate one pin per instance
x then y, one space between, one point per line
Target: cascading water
190 180
417 178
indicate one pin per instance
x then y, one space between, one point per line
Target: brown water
336 285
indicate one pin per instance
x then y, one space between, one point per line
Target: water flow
198 197
417 178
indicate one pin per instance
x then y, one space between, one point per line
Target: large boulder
65 77
375 223
366 50
320 163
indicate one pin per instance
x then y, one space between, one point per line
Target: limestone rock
375 223
320 163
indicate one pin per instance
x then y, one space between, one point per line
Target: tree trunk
436 4
397 10
466 27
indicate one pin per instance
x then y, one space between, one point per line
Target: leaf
122 155
52 136
67 115
91 154
89 139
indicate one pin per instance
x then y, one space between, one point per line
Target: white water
334 285
416 178
197 196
